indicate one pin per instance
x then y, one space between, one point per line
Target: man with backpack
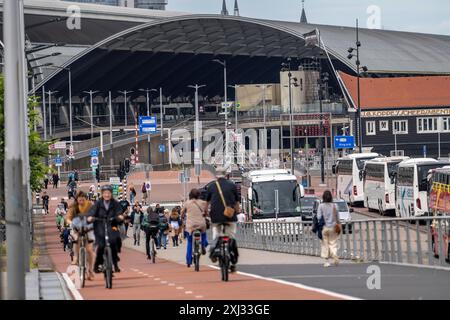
163 229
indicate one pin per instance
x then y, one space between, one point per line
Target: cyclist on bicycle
76 217
150 224
222 225
106 208
194 210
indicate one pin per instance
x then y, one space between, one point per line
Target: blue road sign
58 161
147 125
162 148
94 153
344 142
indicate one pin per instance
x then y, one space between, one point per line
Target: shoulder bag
229 211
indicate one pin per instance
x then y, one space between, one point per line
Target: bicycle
82 259
107 256
197 235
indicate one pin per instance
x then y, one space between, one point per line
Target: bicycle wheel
152 250
196 256
82 266
107 263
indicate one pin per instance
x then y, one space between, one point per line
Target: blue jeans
132 199
162 239
190 240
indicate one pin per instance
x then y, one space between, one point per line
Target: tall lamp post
91 93
322 82
197 159
147 95
235 107
292 81
224 64
50 93
125 104
358 72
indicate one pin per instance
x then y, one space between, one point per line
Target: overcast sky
428 16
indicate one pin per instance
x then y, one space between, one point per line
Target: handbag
228 211
337 226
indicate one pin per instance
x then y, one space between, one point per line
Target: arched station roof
178 51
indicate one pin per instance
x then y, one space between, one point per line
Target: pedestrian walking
136 222
175 226
163 229
45 201
132 194
55 179
144 194
331 229
46 182
194 211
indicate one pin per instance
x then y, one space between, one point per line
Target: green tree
38 149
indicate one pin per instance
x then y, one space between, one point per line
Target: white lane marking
151 276
54 198
157 279
297 285
135 270
188 292
145 274
163 282
171 284
199 297
179 288
76 294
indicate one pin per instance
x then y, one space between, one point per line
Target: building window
370 128
400 126
384 125
427 125
445 124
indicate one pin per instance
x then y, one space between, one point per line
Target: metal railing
424 242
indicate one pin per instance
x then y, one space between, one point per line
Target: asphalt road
396 282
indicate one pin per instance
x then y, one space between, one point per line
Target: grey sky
428 16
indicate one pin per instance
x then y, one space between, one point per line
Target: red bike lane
140 279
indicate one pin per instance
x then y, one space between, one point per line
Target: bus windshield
265 199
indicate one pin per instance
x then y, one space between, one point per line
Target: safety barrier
415 241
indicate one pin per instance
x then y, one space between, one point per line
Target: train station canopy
174 52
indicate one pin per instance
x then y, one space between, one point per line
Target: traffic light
97 174
127 166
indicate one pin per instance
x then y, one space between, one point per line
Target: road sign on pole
162 148
58 161
94 153
344 142
147 125
94 162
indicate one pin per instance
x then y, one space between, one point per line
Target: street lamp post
292 81
358 72
44 113
125 104
91 93
50 111
224 64
197 146
147 92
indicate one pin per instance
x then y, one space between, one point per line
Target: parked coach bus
439 205
379 184
350 175
271 194
412 186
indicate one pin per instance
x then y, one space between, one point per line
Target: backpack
163 223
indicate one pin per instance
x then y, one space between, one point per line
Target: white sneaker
326 264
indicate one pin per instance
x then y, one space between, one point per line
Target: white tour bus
271 195
379 183
350 175
411 198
